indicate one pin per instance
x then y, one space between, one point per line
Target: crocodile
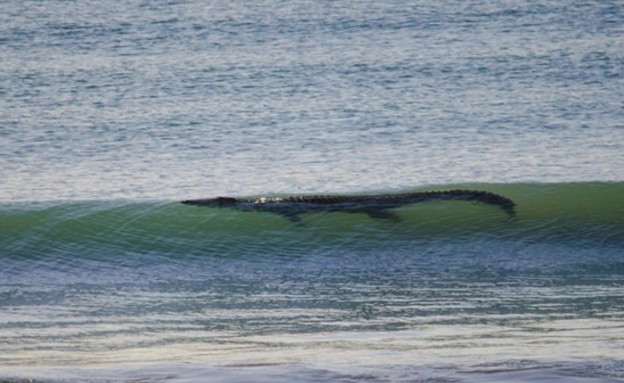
376 206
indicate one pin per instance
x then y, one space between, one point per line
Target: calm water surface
112 111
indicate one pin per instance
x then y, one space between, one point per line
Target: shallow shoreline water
456 290
509 371
111 112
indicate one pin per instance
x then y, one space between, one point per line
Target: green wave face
544 212
95 282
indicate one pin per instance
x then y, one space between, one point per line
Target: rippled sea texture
455 290
113 111
173 99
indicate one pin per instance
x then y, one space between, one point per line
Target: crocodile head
217 202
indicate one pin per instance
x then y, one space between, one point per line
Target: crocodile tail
490 198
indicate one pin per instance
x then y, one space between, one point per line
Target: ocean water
112 112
